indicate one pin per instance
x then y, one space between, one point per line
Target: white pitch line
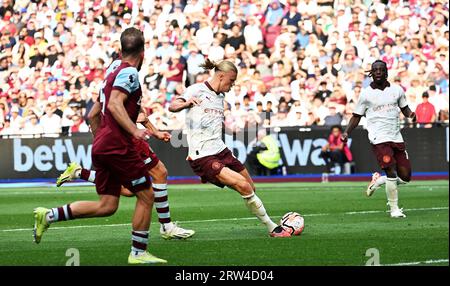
418 209
68 191
220 219
431 261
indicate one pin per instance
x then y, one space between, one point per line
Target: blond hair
223 66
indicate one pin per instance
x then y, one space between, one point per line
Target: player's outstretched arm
161 135
118 111
408 113
354 121
94 117
179 104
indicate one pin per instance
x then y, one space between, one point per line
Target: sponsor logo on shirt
214 111
385 107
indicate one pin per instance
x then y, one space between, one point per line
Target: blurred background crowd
301 62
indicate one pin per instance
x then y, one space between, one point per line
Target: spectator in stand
334 117
49 50
32 128
174 73
335 153
50 122
425 112
194 60
78 124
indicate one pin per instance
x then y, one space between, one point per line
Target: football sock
382 180
162 204
255 205
139 240
392 193
59 214
87 175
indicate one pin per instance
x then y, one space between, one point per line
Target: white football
293 222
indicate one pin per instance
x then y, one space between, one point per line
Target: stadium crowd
301 62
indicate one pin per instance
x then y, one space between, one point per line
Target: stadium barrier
300 149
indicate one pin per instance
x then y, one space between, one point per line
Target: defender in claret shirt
156 170
380 103
208 155
114 156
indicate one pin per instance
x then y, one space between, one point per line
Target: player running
380 102
114 156
156 170
208 155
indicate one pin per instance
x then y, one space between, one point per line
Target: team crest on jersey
386 159
216 165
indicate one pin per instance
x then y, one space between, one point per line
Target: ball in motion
293 222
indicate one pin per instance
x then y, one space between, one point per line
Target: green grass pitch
341 225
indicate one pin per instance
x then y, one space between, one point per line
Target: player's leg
249 179
132 173
378 181
392 192
384 153
403 171
159 184
252 201
403 163
75 171
106 206
404 175
108 189
168 229
239 183
126 192
141 225
141 220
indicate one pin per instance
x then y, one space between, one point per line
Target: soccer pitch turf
341 225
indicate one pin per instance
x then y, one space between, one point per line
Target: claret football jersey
111 138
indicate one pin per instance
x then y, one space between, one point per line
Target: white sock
392 193
92 176
139 241
51 216
380 181
255 205
168 225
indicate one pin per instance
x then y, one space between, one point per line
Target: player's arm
354 122
408 113
359 111
118 111
161 135
403 105
94 117
180 103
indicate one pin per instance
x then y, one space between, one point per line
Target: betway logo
44 157
296 153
